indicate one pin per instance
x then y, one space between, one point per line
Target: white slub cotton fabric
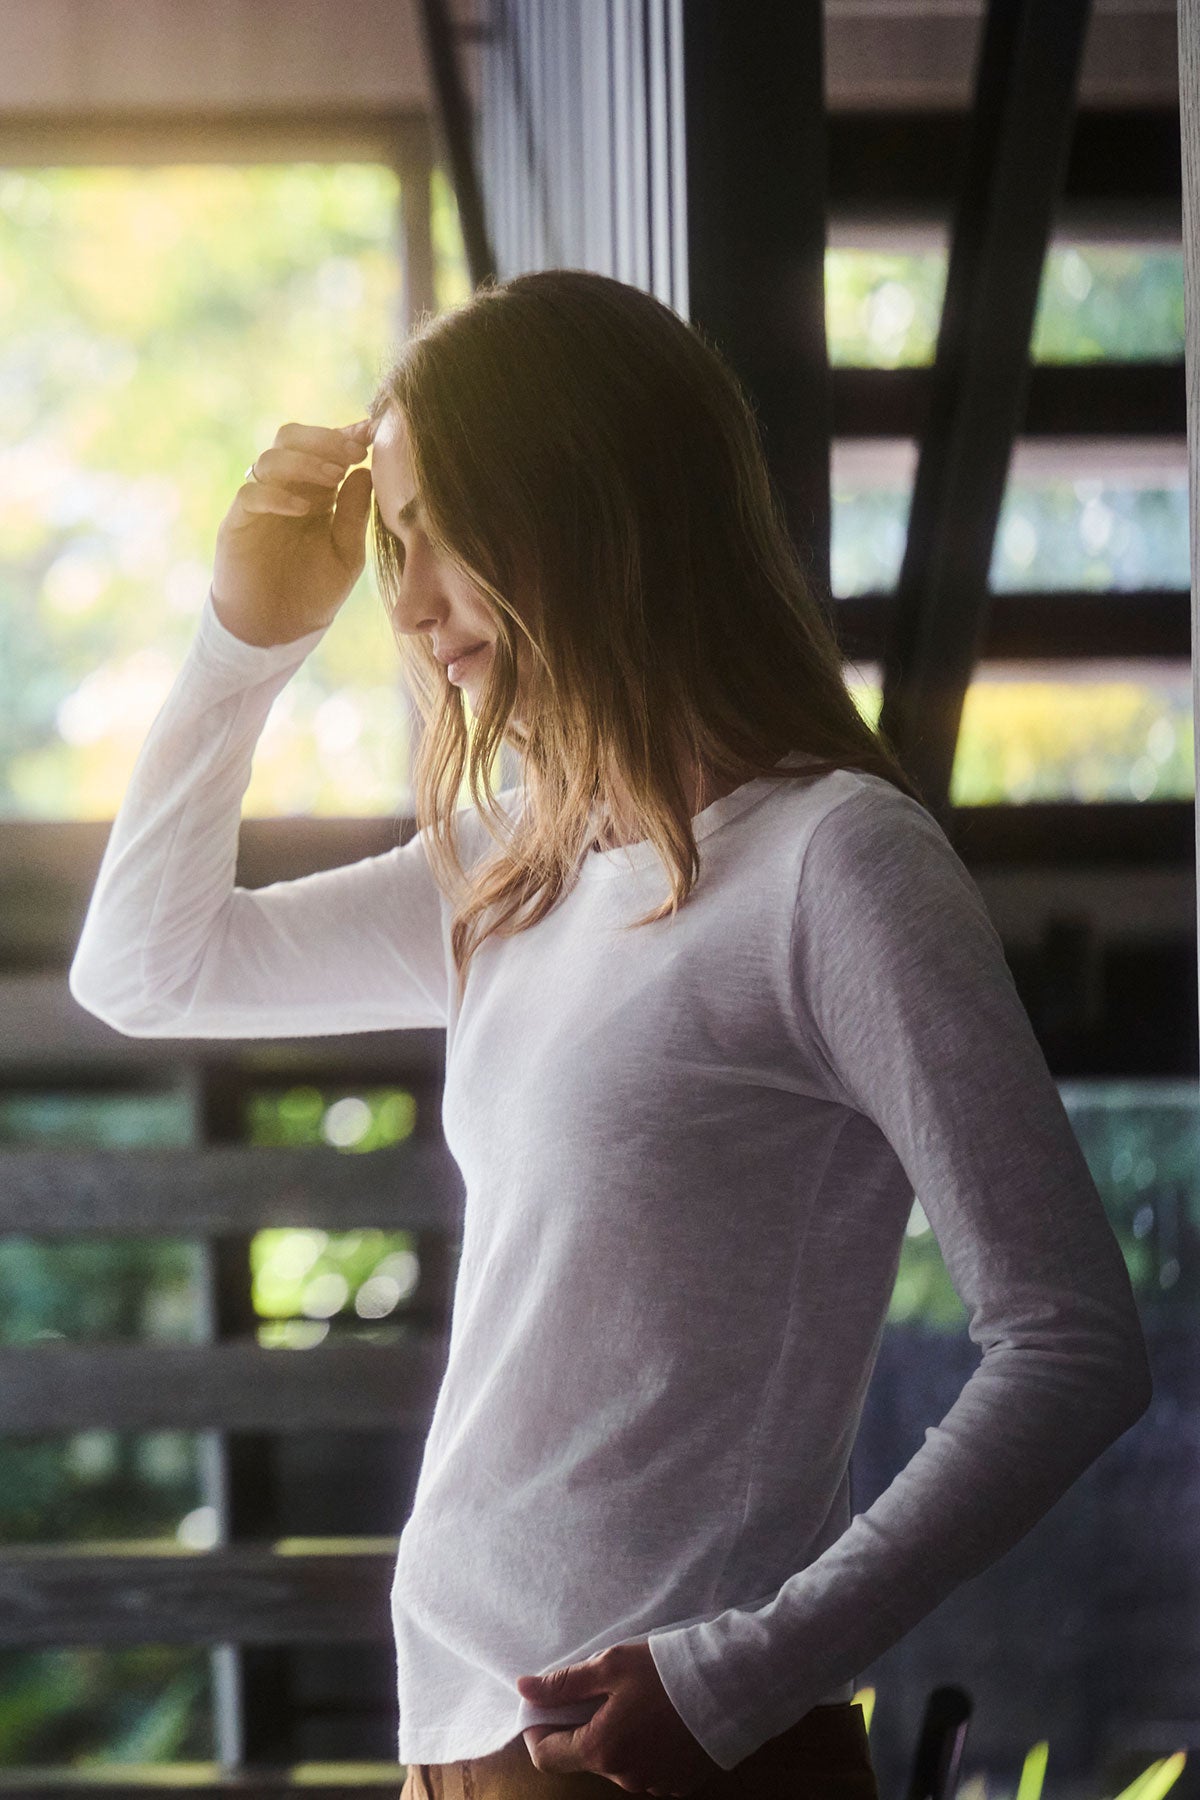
689 1151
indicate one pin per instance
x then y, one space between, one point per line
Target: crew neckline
623 858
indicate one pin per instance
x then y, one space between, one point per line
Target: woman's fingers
349 526
307 456
276 465
348 444
268 497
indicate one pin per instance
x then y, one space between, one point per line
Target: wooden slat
42 1025
163 1594
228 1386
87 136
239 56
228 1189
898 162
1065 835
1063 400
1050 625
905 55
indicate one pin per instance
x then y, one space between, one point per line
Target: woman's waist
830 1738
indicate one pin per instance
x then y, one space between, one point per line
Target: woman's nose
418 604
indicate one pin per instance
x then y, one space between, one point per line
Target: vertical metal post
456 132
253 1714
754 104
414 165
1189 125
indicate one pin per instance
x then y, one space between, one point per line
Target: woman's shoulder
859 805
872 846
866 800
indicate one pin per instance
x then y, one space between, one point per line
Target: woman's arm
171 948
903 990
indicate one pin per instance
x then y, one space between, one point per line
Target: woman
691 1129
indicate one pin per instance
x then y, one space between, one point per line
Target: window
1079 516
159 324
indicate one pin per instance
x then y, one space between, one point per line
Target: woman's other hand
636 1739
293 543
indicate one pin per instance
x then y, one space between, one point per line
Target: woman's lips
455 669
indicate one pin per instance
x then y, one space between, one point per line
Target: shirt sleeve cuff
694 1701
729 1721
222 651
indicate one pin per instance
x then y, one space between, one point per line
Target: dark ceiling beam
1013 167
454 117
883 163
1051 626
754 111
1137 399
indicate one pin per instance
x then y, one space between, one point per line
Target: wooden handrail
229 1386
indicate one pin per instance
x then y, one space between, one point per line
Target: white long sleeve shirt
689 1151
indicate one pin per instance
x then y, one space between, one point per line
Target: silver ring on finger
249 474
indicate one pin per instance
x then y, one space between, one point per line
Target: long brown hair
592 464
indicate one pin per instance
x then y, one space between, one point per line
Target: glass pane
1068 1638
451 279
159 325
81 1289
1127 529
882 306
1083 516
1073 732
1142 1144
147 1704
1066 731
1123 302
92 1705
1141 1141
871 493
307 1283
111 1290
97 1121
100 1486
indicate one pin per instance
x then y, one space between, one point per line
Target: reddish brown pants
824 1756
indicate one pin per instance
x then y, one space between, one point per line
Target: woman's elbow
1120 1381
1136 1385
131 1014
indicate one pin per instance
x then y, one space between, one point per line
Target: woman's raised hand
293 543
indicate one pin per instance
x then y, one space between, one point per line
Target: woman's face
433 596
